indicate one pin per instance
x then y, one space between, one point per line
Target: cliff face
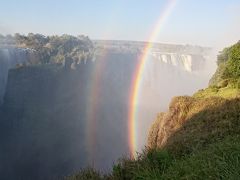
55 120
9 58
3 77
36 134
36 49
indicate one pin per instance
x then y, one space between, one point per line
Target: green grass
88 173
206 146
219 160
226 92
204 143
215 118
149 165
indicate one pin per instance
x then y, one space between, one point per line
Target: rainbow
92 105
137 77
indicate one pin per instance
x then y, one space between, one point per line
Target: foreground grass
88 173
219 161
206 146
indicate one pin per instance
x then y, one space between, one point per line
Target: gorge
72 112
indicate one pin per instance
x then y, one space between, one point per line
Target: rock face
9 58
37 49
55 120
168 123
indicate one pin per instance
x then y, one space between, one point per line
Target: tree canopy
52 49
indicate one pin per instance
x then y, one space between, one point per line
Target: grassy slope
198 138
202 142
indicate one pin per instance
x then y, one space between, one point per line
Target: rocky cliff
55 120
9 58
36 49
38 140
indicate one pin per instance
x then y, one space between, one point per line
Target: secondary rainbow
92 105
137 77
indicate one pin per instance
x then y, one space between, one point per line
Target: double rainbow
137 77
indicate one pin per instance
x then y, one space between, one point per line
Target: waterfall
174 59
181 61
187 62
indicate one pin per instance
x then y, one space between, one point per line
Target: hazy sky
202 22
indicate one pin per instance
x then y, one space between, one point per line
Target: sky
213 23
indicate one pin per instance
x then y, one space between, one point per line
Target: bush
228 65
88 173
151 164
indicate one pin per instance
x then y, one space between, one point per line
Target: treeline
51 49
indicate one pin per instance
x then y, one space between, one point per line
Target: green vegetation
88 173
219 160
51 49
226 92
226 80
199 136
228 67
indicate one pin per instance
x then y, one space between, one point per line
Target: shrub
87 173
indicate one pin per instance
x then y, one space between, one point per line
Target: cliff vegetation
51 49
